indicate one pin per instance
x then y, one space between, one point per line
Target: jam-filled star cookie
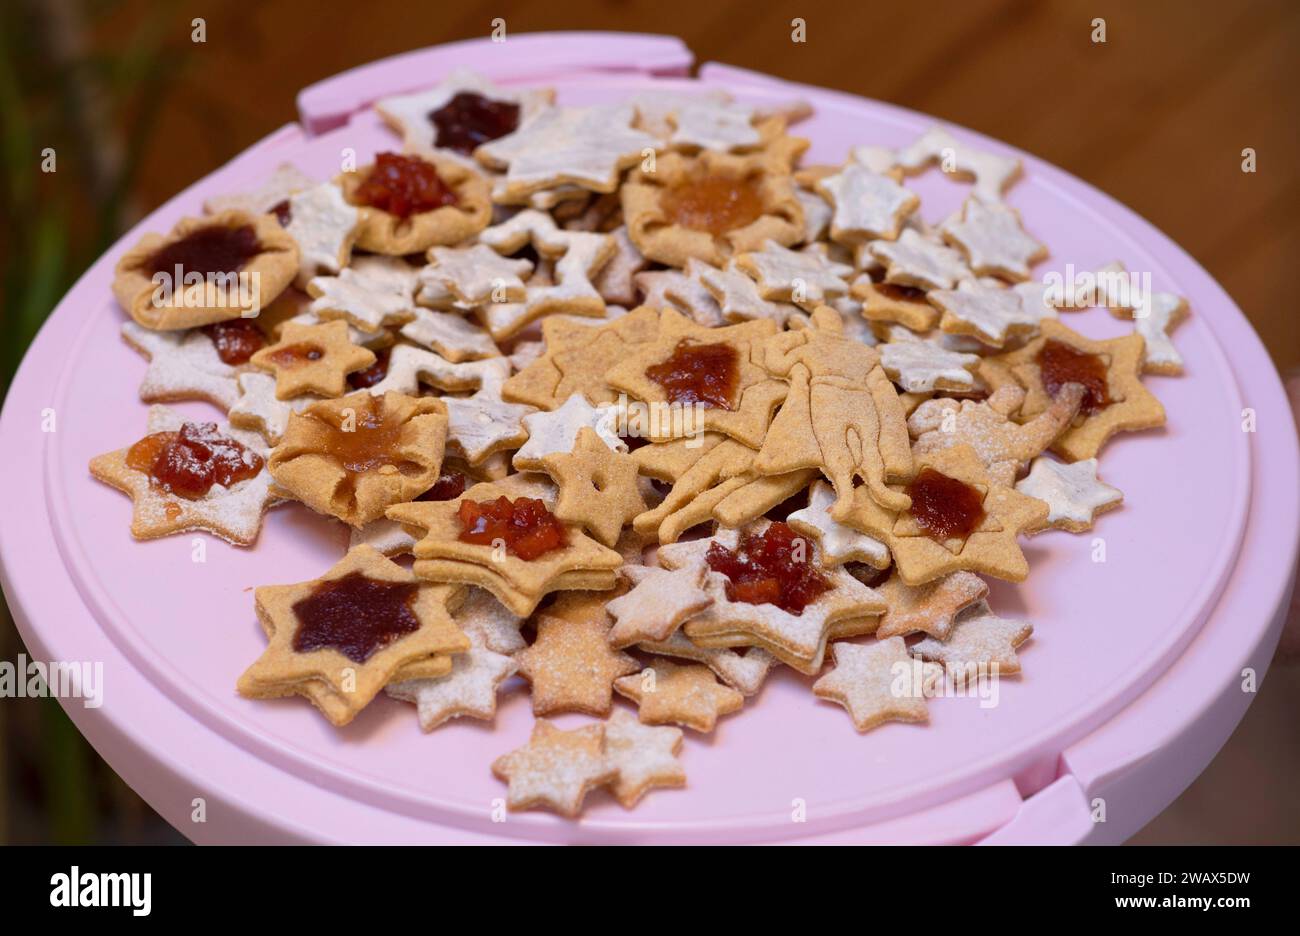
316 632
184 475
312 359
1115 399
504 537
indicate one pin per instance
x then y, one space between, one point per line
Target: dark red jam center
1060 364
209 250
189 462
699 373
354 615
524 525
449 486
236 340
360 380
944 507
469 119
403 186
773 567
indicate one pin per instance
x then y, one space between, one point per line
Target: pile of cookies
623 400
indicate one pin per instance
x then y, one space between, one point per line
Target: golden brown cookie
354 457
312 359
206 270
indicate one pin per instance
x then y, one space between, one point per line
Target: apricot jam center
469 119
449 486
190 461
371 441
236 340
354 615
699 373
944 507
772 567
403 186
713 204
524 525
1060 364
209 250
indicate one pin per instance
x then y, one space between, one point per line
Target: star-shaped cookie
806 279
657 604
994 241
183 365
572 667
598 487
979 638
668 694
234 513
873 682
1072 492
312 359
645 757
839 543
930 608
868 205
557 432
470 689
556 769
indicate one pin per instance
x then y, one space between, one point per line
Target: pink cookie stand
1132 682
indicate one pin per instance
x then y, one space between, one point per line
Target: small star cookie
868 205
572 667
806 279
994 241
183 365
839 543
990 172
920 261
668 694
598 487
930 608
312 359
470 689
657 604
874 683
744 672
373 293
1071 491
556 769
979 638
645 757
557 432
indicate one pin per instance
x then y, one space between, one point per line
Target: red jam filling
449 486
773 567
354 615
900 293
469 119
295 355
362 379
403 186
944 507
713 204
236 340
699 373
189 462
524 525
209 250
1060 364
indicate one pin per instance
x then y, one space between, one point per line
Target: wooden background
1157 116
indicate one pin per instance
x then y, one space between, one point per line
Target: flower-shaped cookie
206 270
354 457
341 638
411 203
711 206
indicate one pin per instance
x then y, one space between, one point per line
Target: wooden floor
1157 115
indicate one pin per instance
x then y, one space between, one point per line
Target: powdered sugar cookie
645 757
1072 492
994 241
990 172
979 638
184 476
868 681
556 768
372 294
867 205
690 696
469 690
182 366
